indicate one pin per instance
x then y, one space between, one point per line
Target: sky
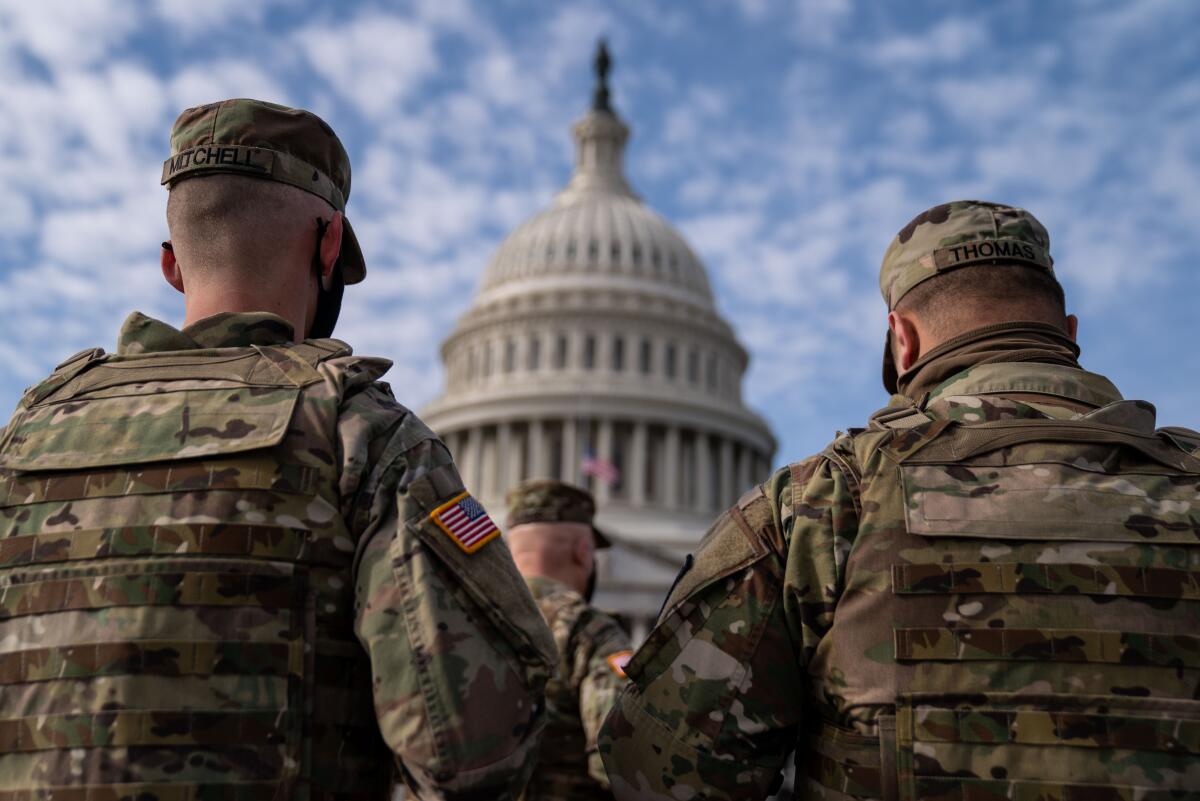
787 139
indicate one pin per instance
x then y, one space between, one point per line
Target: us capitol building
594 338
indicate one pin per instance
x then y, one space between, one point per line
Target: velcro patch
618 661
464 520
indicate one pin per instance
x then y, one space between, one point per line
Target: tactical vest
1019 617
176 599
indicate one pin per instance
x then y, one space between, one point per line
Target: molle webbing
1030 588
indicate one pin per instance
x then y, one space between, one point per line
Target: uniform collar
143 334
543 586
1054 380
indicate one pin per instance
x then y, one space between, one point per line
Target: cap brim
354 267
600 538
891 378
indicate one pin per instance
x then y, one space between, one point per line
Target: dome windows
561 345
589 351
510 355
678 360
533 356
618 353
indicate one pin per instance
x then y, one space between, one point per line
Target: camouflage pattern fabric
219 578
991 597
592 649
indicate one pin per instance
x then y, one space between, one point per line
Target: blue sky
788 140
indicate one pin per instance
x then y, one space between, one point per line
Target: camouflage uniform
226 572
991 592
592 648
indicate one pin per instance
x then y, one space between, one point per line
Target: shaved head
960 300
241 228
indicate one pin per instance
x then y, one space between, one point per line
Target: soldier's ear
1073 327
906 340
331 244
583 551
170 267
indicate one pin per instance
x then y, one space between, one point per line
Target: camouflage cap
962 233
266 140
549 501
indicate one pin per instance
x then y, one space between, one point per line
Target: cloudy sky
788 139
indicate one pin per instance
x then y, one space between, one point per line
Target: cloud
65 34
788 139
191 19
224 78
376 60
947 42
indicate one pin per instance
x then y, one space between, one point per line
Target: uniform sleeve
715 698
459 653
601 671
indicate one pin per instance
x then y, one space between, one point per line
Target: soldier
553 543
990 592
233 566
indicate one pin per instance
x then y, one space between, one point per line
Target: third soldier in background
990 592
553 543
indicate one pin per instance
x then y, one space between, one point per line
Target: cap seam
212 133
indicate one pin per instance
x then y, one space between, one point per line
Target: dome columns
662 464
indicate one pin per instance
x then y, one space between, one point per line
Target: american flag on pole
466 522
601 469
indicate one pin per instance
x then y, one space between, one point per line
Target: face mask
590 590
329 301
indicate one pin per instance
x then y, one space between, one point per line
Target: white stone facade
594 332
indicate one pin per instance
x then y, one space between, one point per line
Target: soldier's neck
205 301
529 565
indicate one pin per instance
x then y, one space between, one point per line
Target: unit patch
466 522
618 661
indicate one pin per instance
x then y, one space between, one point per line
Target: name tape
223 157
991 250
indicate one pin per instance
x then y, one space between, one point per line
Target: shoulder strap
961 442
63 373
899 418
1184 438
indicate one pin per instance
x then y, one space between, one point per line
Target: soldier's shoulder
368 403
63 372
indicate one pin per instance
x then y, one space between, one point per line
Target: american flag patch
466 522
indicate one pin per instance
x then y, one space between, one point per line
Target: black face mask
329 301
590 589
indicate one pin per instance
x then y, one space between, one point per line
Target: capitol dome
594 353
598 232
